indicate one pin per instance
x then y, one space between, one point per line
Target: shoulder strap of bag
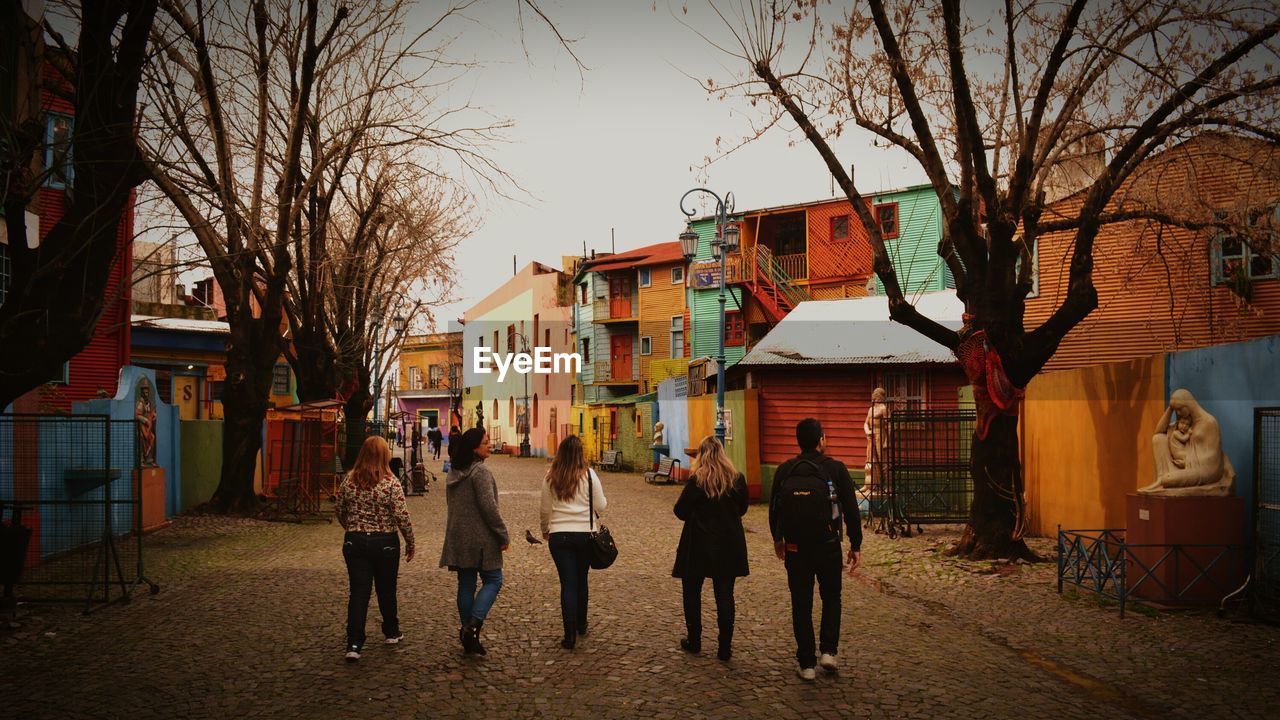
591 505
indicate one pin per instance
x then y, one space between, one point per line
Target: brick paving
250 624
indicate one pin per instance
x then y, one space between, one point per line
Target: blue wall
1229 381
673 412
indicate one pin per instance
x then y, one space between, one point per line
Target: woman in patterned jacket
372 509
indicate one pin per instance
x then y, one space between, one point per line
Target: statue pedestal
1175 575
151 485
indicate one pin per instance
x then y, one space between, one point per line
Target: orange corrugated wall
1151 302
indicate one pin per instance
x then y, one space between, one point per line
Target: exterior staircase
771 286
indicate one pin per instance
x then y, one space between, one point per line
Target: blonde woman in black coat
712 543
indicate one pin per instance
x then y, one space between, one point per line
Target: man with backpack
811 504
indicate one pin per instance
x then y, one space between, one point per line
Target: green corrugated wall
704 305
915 251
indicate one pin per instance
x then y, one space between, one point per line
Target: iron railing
1101 562
71 506
920 474
1265 597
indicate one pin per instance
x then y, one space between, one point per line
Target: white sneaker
396 640
352 655
828 663
808 674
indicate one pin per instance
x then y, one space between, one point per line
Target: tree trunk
315 366
355 410
244 404
997 516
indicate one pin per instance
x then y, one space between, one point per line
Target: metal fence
303 463
1101 562
71 505
1266 493
921 475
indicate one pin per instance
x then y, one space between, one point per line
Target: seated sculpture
1188 452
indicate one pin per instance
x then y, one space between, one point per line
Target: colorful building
531 310
1163 288
188 356
430 375
793 253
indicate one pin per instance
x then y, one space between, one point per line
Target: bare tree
58 290
993 102
388 252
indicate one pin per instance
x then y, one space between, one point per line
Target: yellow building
430 370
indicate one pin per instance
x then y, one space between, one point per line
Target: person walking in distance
712 543
475 537
812 499
570 493
371 508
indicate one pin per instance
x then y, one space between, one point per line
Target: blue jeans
570 550
472 604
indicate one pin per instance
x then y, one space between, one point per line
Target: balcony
605 311
605 374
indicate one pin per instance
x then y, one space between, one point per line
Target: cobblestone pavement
249 623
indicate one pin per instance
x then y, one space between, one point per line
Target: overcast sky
612 150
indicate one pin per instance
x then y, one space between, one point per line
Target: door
619 296
620 357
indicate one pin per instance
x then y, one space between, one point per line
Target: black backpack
808 509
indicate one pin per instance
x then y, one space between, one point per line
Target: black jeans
372 559
571 552
725 608
824 563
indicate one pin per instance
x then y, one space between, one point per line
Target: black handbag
603 550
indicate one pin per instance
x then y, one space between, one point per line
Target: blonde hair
372 464
713 472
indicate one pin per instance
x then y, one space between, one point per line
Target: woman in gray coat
475 536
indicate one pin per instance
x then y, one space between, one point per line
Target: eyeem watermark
540 362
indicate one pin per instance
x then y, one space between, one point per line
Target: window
415 377
586 350
637 421
436 376
547 342
734 329
645 280
511 338
677 275
728 424
1236 259
6 272
535 409
905 391
57 150
280 380
511 411
455 374
840 227
646 345
494 420
582 299
887 219
495 346
63 375
677 336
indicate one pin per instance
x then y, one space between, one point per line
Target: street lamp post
725 242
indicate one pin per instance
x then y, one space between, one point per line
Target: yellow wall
1086 442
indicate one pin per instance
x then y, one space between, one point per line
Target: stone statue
1188 452
144 413
659 433
876 428
480 414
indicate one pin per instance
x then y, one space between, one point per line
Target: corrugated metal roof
856 331
180 324
648 255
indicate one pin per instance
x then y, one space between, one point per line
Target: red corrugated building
96 368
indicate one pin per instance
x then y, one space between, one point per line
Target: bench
611 460
664 471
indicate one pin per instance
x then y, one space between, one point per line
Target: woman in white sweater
569 494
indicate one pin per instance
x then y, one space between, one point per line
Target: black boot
570 639
692 643
471 637
725 651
